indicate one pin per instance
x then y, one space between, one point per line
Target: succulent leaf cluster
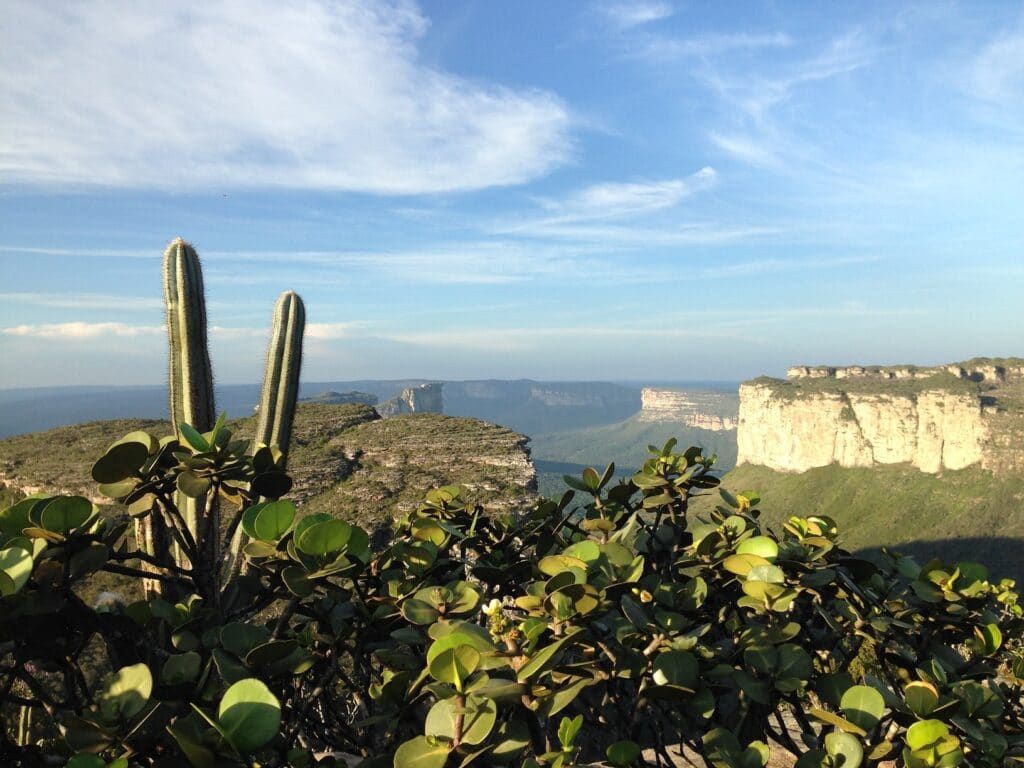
607 627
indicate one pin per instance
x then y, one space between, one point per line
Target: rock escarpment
949 417
713 411
423 398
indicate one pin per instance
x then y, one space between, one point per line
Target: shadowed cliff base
1004 557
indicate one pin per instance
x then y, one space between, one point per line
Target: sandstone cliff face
933 431
793 428
713 411
424 398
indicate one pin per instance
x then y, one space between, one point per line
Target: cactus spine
190 379
281 377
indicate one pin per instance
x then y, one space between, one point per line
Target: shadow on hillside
1003 556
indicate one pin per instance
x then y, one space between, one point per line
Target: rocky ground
344 459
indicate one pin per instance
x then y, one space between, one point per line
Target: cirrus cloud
222 93
81 330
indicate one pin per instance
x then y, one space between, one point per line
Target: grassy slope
967 514
626 443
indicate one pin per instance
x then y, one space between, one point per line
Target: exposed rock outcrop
946 417
424 398
988 370
713 411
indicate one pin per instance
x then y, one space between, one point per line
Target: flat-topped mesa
988 370
423 398
937 418
713 411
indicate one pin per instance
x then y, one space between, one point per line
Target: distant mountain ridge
524 405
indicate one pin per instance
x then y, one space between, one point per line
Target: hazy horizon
585 192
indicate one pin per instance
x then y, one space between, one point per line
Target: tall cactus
281 377
190 377
279 394
190 383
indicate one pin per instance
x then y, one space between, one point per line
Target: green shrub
615 629
619 629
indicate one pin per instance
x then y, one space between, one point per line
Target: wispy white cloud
754 91
307 94
513 339
633 13
330 331
754 151
609 200
997 73
81 330
709 46
101 301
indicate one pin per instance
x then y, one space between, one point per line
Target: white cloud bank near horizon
223 94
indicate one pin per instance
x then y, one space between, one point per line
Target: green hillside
968 514
625 443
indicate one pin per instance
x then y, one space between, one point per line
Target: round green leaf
921 697
478 719
741 565
122 460
240 638
248 521
15 518
181 668
295 579
770 574
762 546
454 665
87 560
16 564
128 692
588 551
421 752
863 706
65 513
924 733
454 640
324 538
264 655
623 753
678 668
845 749
274 520
193 485
249 715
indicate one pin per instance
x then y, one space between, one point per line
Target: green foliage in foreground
618 630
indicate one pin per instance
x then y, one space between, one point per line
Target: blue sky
649 190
